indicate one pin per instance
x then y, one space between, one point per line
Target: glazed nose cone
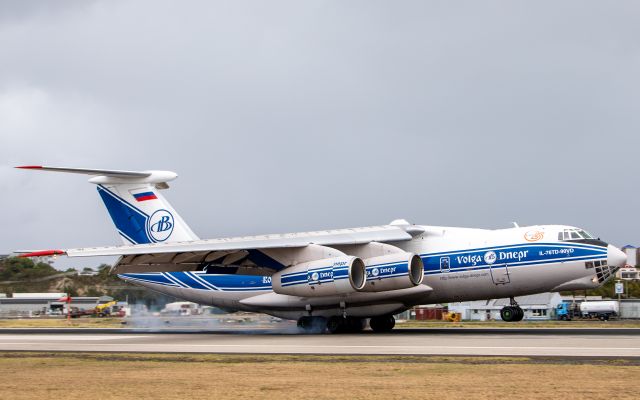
616 257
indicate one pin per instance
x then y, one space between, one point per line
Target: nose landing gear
512 313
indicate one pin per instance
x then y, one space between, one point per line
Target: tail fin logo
160 225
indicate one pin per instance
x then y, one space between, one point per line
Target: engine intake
326 277
393 271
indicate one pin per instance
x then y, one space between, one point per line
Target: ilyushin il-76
336 280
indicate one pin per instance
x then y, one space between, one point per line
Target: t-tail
139 211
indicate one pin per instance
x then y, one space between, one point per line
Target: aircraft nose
616 257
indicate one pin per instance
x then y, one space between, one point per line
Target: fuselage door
500 274
445 264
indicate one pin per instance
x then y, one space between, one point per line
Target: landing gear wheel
507 314
312 324
511 313
519 314
382 324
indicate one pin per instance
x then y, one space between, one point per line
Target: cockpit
571 234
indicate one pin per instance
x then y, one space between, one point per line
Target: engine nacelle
393 271
327 277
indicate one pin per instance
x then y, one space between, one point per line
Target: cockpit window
574 234
585 234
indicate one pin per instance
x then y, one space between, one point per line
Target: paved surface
592 343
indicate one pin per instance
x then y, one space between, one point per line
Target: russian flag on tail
145 196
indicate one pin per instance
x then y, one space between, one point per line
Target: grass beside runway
62 323
26 375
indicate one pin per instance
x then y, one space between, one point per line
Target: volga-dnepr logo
490 257
160 225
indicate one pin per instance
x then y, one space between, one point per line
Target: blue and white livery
337 280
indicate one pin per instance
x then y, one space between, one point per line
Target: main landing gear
512 313
339 324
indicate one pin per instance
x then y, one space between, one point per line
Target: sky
287 116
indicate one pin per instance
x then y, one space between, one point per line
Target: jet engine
393 271
326 277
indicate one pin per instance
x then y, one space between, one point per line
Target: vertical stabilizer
141 214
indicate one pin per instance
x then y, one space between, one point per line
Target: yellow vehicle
452 317
104 309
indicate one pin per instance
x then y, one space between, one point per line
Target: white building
632 255
628 274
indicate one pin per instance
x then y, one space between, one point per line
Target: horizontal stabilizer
113 176
87 171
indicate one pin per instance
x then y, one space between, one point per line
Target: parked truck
602 310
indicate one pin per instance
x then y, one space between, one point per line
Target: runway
617 343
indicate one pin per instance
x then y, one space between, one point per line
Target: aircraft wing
247 251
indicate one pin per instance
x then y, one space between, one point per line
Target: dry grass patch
62 323
179 376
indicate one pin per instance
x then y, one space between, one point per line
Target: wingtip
29 167
42 253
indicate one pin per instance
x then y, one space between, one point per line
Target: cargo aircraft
336 280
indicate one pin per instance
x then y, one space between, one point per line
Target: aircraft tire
382 324
519 313
508 314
